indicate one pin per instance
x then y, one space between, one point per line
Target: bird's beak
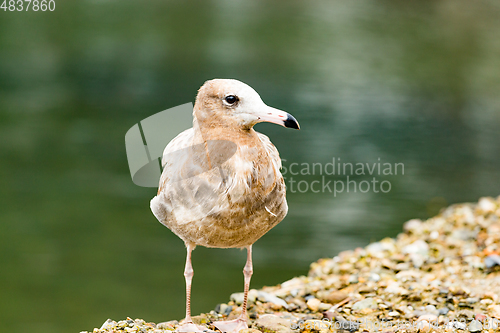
279 117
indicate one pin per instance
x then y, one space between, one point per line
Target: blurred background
416 83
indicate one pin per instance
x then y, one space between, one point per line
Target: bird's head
228 102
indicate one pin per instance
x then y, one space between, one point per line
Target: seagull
221 185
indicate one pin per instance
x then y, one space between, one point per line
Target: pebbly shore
438 275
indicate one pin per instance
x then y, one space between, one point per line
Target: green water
414 83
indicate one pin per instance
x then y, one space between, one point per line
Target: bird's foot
231 325
191 327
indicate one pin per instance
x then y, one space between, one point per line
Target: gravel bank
439 275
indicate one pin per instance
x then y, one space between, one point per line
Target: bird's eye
231 99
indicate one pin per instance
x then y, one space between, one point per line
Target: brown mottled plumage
221 184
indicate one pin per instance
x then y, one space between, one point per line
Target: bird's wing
271 151
189 182
182 140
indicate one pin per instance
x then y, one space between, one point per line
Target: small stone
428 317
481 317
223 309
374 277
313 304
475 326
367 303
335 297
394 314
268 298
423 326
412 225
472 300
272 323
487 205
468 314
456 325
419 246
167 325
494 311
324 306
353 279
108 324
492 260
443 311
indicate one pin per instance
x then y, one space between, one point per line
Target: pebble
456 325
412 225
419 247
267 297
108 324
335 297
367 303
353 279
273 323
492 261
481 317
428 317
475 326
313 304
443 311
487 205
494 311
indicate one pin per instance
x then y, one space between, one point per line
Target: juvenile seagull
221 184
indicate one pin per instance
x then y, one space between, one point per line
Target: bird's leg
241 322
188 325
247 273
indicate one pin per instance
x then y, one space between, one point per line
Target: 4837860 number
26 5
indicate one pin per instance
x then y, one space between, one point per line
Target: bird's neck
222 131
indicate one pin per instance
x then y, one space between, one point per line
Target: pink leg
240 323
247 272
188 325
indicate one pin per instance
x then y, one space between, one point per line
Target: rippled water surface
391 82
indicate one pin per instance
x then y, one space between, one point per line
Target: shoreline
439 275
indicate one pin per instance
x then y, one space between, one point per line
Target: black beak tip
291 122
